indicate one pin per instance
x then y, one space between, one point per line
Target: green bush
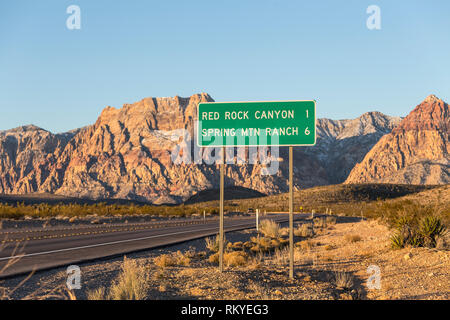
397 241
431 228
409 232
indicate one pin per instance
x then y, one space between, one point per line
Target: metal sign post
222 177
291 214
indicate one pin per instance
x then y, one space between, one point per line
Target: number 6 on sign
307 131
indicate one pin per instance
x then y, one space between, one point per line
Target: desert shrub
410 231
231 259
183 259
173 259
214 258
320 222
397 241
165 260
431 228
212 244
270 228
44 210
304 230
343 280
284 232
248 244
306 244
132 282
274 243
261 244
97 294
237 245
235 258
330 220
281 256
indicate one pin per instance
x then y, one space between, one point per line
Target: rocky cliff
126 154
415 152
22 151
343 143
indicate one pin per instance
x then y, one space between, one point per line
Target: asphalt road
39 249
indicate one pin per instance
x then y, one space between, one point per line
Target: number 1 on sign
307 115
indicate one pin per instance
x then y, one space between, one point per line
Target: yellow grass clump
131 284
304 230
173 259
270 228
231 259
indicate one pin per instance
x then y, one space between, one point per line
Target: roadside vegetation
379 201
272 240
131 284
256 266
427 231
268 246
44 210
417 217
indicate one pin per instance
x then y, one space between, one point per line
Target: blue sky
246 50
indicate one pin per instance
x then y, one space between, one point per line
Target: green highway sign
274 123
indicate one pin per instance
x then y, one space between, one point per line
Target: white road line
104 244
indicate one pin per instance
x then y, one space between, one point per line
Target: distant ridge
415 152
229 194
126 154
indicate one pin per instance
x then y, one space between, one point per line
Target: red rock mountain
126 154
416 151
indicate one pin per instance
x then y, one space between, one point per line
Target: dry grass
239 245
165 260
212 244
284 232
231 259
331 220
304 230
281 256
306 245
173 259
266 245
320 223
270 228
343 280
131 284
183 259
17 253
97 294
